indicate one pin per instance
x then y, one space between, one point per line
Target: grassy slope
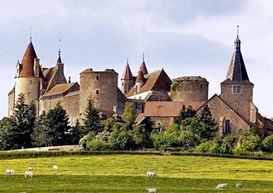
126 173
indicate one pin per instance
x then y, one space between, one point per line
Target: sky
185 37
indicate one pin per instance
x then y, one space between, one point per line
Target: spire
59 60
143 66
127 74
30 34
237 42
140 77
237 70
28 62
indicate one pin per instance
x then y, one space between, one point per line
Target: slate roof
127 74
237 71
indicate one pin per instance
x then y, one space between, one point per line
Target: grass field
126 173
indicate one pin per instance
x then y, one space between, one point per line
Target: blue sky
185 37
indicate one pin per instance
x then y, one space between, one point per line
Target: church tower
28 77
236 89
127 80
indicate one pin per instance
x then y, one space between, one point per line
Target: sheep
221 186
238 185
55 167
151 190
30 168
28 174
151 174
10 171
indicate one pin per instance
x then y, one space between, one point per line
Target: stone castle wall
69 102
189 88
29 87
101 86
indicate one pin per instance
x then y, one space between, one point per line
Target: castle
156 95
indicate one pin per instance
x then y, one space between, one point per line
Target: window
236 89
227 128
235 106
97 77
97 91
201 86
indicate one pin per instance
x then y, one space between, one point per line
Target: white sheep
28 174
238 185
151 190
10 171
55 167
151 174
221 186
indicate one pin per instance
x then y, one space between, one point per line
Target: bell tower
236 89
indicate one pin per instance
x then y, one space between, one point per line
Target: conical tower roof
28 62
143 67
140 77
127 74
237 70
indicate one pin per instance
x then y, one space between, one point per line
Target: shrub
87 138
204 147
97 144
247 143
267 144
188 139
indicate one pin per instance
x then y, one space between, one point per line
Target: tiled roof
28 62
140 77
62 89
157 80
168 108
127 74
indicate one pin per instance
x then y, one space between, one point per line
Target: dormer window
236 89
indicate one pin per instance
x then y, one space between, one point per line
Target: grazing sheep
238 185
221 186
28 174
151 174
55 167
30 169
10 171
151 190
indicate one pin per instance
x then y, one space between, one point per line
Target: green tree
208 123
25 116
56 126
7 126
119 139
39 137
185 113
267 143
92 119
75 133
129 114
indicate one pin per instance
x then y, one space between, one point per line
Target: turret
236 89
127 80
27 81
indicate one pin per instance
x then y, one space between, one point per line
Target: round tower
101 87
189 88
27 80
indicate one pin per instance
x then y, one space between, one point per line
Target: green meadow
127 173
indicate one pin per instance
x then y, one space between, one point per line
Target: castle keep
156 95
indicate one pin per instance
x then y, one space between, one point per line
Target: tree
39 136
129 114
185 113
92 119
208 123
7 126
25 116
75 133
119 138
55 124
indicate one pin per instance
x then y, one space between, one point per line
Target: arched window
227 127
97 92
